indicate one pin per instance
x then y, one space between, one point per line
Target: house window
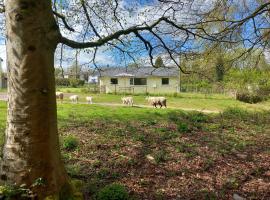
131 82
165 81
138 81
114 81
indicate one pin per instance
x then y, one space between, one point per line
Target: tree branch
62 17
114 13
102 41
89 20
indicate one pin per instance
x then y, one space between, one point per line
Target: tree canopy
134 30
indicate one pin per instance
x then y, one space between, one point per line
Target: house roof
139 72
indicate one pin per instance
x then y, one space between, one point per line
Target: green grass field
214 102
3 111
166 153
3 90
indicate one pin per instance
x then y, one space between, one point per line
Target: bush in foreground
250 97
70 143
113 192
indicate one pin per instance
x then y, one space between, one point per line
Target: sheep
127 101
74 98
154 101
89 100
60 96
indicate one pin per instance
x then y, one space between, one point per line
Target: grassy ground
214 102
3 110
3 90
166 153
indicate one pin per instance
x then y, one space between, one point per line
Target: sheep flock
129 101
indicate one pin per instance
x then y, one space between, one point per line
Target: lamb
60 96
154 101
127 101
89 100
74 98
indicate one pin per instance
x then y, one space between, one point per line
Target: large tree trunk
31 149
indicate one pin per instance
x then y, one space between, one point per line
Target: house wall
3 82
154 86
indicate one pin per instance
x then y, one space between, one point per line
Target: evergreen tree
159 62
220 69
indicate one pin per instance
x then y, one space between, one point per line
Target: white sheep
60 96
74 98
89 100
127 101
154 101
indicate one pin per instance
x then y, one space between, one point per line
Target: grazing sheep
89 100
74 98
154 101
60 96
127 101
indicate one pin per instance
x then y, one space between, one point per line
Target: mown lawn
214 102
166 153
3 111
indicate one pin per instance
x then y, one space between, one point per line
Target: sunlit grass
212 102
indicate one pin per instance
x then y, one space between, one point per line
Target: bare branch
114 13
89 20
148 47
62 17
102 41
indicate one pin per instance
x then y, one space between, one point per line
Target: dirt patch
211 160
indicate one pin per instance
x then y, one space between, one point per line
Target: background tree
220 69
58 72
159 62
1 68
74 70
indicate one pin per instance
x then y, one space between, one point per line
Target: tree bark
31 150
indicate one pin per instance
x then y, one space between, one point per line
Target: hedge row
256 96
69 82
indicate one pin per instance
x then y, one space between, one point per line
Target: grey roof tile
139 72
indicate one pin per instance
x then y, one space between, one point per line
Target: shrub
73 170
264 90
113 192
198 117
69 82
85 90
103 173
236 113
183 127
15 192
161 156
175 94
92 186
70 143
62 82
250 97
76 82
